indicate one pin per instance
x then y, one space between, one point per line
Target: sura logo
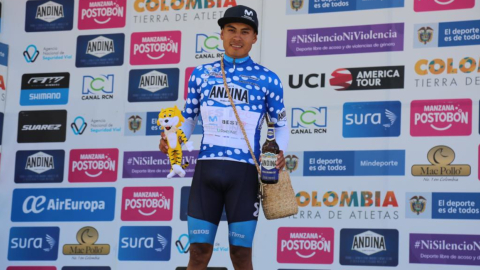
148 201
100 46
371 119
40 163
369 243
155 44
37 204
94 162
153 81
41 127
50 12
103 9
306 244
46 243
239 94
100 87
145 243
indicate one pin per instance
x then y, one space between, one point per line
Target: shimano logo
50 12
41 127
36 205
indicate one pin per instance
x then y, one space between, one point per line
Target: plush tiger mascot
170 119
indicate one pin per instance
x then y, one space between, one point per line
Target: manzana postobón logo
305 245
147 203
153 48
100 14
93 165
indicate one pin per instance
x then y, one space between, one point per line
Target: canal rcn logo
148 243
371 119
33 244
98 87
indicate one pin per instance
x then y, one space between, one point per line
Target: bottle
270 149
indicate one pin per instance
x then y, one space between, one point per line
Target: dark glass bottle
270 150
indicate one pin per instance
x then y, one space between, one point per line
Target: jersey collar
237 60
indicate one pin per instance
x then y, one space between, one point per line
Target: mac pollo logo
441 159
86 238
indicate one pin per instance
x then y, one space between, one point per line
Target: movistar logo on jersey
239 94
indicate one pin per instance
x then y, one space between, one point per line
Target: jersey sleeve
192 104
274 102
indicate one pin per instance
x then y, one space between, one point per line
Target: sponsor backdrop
382 101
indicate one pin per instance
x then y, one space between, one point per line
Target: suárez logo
101 14
42 126
442 117
45 89
147 203
100 50
145 243
154 48
368 78
437 5
63 204
305 245
148 85
93 165
33 244
41 166
371 119
49 15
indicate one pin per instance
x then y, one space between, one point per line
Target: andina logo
369 243
93 165
100 46
305 245
441 158
155 48
443 117
239 94
165 5
49 12
40 163
100 14
147 204
153 81
86 238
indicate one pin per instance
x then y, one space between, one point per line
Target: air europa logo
442 117
153 48
165 5
147 203
305 245
93 165
101 14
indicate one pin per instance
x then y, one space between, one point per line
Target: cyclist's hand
280 161
163 146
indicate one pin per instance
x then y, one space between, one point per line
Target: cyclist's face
238 39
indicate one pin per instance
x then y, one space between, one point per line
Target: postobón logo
141 6
86 238
44 166
208 46
371 119
442 117
100 14
368 78
436 5
93 165
147 203
444 72
441 159
47 15
313 80
147 85
309 120
374 247
42 126
45 89
98 87
63 204
305 245
31 53
148 243
155 48
100 50
33 244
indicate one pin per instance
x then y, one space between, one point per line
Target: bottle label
269 172
271 134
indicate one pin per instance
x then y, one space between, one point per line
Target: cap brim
223 21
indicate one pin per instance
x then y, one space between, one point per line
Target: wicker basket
279 199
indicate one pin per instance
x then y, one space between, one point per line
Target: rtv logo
150 243
309 120
371 119
33 244
98 87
